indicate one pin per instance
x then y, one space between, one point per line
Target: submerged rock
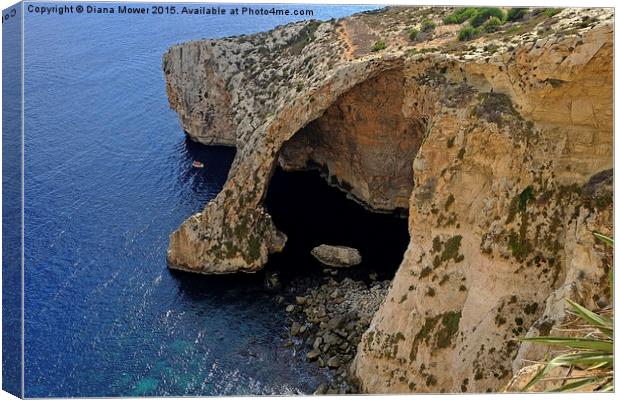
337 256
295 328
322 389
272 281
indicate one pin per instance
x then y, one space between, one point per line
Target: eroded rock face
337 256
510 143
365 142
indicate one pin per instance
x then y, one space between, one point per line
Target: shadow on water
311 213
216 159
236 286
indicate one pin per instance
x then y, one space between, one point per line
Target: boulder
333 362
337 256
313 355
330 339
335 322
295 328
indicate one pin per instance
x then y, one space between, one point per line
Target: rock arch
369 154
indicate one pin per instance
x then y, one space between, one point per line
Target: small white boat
198 164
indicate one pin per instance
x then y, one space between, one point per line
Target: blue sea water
107 178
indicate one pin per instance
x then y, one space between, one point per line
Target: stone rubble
330 320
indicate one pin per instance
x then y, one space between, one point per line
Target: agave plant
592 354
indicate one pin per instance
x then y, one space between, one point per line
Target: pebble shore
328 320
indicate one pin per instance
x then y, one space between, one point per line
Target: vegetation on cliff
590 351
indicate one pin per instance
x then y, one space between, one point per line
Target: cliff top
305 55
438 29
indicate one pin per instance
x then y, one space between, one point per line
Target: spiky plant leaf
567 360
577 384
574 342
604 238
604 324
608 387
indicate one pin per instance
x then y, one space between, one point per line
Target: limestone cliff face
501 149
366 150
504 204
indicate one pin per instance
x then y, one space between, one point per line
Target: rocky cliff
499 147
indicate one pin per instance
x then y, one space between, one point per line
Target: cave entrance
312 213
362 148
365 142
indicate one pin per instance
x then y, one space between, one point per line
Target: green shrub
491 48
550 12
484 13
475 16
413 33
428 25
423 50
492 25
516 13
587 21
460 15
380 45
514 29
467 33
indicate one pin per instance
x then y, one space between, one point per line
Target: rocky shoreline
327 320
